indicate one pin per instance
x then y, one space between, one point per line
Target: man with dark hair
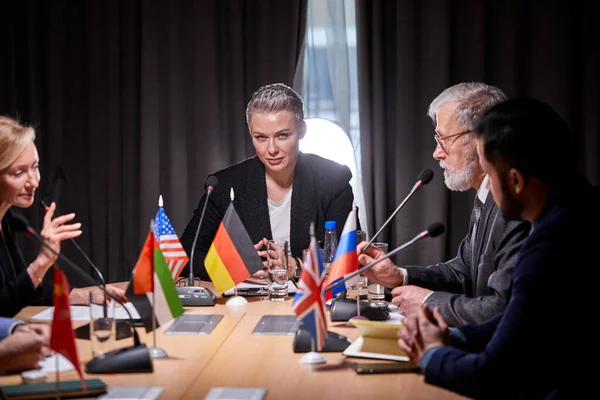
527 150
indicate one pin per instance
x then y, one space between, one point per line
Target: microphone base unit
344 309
334 342
131 359
196 296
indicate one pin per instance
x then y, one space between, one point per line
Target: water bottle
330 244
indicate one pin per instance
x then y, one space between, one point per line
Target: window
326 77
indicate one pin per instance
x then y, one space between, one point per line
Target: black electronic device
334 342
344 309
125 360
385 367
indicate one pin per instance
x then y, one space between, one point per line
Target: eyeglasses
443 140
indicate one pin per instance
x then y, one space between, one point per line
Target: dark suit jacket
474 289
16 288
321 192
538 348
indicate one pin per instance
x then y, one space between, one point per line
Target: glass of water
278 272
102 326
376 292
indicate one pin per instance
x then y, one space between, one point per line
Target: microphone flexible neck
136 338
337 283
191 273
413 190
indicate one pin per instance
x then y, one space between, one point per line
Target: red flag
62 337
143 272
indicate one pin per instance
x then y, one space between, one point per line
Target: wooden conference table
231 356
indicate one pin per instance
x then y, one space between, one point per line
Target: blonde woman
21 282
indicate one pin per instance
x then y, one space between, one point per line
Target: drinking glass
277 271
102 326
376 292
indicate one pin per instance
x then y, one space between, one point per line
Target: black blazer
16 289
321 192
475 285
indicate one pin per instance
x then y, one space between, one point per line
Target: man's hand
423 331
409 298
22 351
385 273
42 330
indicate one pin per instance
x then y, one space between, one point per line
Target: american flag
169 243
309 302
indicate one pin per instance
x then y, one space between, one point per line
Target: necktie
477 208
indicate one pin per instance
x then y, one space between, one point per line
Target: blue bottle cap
330 225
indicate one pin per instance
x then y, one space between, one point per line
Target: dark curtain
410 51
136 99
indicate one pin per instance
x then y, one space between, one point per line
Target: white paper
132 392
48 364
82 313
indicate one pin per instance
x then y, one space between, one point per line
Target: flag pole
313 356
56 363
155 351
236 300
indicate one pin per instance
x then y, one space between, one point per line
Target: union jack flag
309 302
169 243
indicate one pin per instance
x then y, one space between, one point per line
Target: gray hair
473 100
274 98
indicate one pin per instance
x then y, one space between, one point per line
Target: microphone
191 295
424 178
80 250
433 230
134 358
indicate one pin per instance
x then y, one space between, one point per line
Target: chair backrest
326 139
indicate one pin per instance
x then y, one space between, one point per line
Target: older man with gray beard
475 285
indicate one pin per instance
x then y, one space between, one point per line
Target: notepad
377 340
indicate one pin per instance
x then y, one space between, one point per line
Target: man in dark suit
475 285
531 351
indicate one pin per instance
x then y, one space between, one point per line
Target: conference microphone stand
191 295
424 178
134 358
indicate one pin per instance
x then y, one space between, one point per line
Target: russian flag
346 259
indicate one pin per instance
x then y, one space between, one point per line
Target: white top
280 216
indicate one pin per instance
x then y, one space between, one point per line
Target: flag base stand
236 301
313 357
157 352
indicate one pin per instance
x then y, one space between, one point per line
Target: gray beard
461 180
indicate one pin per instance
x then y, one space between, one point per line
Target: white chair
326 139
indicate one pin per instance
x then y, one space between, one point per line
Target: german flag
231 258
